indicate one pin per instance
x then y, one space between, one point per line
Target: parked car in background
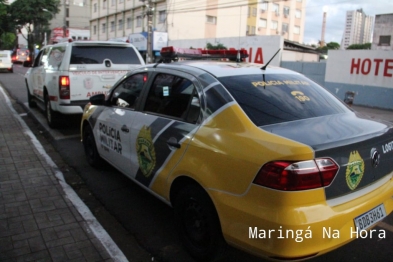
6 61
20 55
261 158
64 76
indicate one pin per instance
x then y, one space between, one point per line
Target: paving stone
40 256
37 221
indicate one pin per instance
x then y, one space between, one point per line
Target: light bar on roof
172 53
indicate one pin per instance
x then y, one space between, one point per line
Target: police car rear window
97 55
277 98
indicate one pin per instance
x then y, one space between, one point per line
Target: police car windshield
97 55
276 98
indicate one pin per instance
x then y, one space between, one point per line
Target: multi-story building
198 19
358 28
284 18
73 14
383 32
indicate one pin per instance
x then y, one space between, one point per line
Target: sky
335 16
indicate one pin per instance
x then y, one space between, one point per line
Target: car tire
89 144
50 115
30 101
198 224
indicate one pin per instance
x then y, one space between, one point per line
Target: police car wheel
50 115
198 223
92 156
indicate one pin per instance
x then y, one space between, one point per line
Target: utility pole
149 14
65 18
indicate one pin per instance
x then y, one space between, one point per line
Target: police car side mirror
97 100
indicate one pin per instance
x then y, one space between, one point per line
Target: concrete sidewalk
41 217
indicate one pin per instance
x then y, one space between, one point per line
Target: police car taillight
290 176
172 53
64 87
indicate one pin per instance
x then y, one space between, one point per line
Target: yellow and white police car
263 159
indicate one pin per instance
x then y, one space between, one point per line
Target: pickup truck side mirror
27 64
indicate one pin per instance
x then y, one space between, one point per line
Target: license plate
370 218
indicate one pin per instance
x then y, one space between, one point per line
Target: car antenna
264 67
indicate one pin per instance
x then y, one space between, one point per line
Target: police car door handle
172 142
125 129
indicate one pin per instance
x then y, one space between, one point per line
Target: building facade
73 13
198 19
383 32
358 28
284 18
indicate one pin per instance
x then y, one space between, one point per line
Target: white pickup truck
64 76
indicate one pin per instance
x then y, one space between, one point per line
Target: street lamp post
149 13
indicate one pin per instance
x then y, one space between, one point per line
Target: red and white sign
260 48
360 67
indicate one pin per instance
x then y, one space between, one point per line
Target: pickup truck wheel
198 224
89 144
30 99
51 116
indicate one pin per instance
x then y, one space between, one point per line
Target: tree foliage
7 41
329 46
210 46
360 46
34 15
6 25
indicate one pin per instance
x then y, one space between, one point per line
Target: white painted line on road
23 114
386 226
101 234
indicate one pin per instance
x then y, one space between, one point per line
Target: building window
113 2
129 22
247 30
161 17
120 24
138 21
113 26
384 40
95 8
211 19
296 30
276 9
103 27
298 14
284 28
121 1
253 30
254 11
264 6
262 23
94 29
67 12
103 4
274 25
286 11
248 11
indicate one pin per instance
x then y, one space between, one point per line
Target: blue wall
372 96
